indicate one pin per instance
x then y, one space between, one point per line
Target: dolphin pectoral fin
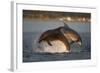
40 40
49 43
66 43
68 46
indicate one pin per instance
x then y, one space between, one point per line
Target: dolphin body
65 34
53 35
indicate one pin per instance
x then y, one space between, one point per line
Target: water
31 32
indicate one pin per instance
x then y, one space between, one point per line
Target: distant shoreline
29 18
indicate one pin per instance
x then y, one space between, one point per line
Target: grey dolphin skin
64 33
71 35
54 34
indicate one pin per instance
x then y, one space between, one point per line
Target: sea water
34 28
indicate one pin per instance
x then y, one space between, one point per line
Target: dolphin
64 33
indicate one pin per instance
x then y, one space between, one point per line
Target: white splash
57 47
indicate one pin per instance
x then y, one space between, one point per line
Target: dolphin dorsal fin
64 22
66 25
